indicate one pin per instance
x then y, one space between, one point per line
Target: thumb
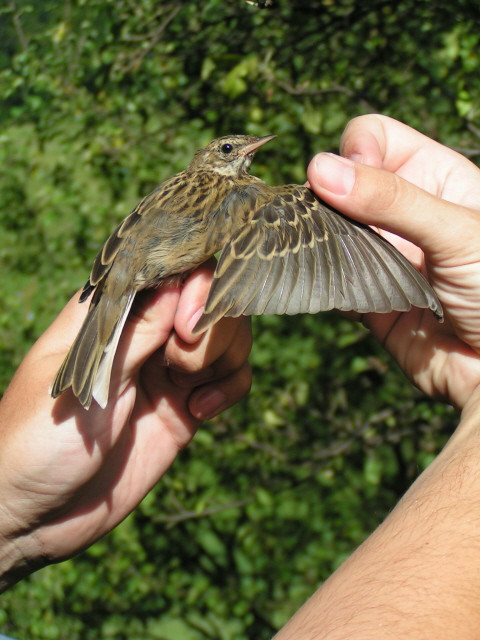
381 198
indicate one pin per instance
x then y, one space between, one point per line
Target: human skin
70 475
417 575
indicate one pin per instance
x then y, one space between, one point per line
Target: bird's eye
227 148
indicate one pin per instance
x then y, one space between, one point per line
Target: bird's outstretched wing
295 254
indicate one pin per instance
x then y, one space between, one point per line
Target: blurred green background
100 101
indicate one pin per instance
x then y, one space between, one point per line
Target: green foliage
100 101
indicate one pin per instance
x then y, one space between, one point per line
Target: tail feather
87 367
101 381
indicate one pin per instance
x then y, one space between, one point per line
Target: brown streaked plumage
284 251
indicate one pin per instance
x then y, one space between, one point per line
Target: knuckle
366 122
386 195
241 381
185 358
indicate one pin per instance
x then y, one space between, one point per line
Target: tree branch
172 519
16 13
155 37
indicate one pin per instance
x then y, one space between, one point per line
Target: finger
381 198
213 365
382 142
211 399
226 345
207 383
192 301
228 377
223 349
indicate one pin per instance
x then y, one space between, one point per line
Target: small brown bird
284 251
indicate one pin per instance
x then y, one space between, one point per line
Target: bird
283 251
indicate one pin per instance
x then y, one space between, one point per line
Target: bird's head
228 156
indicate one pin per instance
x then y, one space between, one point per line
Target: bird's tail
87 367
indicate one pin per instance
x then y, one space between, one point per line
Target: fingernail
334 173
208 403
194 319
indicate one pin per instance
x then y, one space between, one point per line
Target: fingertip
192 323
211 399
155 308
208 402
328 172
363 141
188 314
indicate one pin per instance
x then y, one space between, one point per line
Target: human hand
395 177
68 475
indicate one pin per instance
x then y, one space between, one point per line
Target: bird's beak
250 149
